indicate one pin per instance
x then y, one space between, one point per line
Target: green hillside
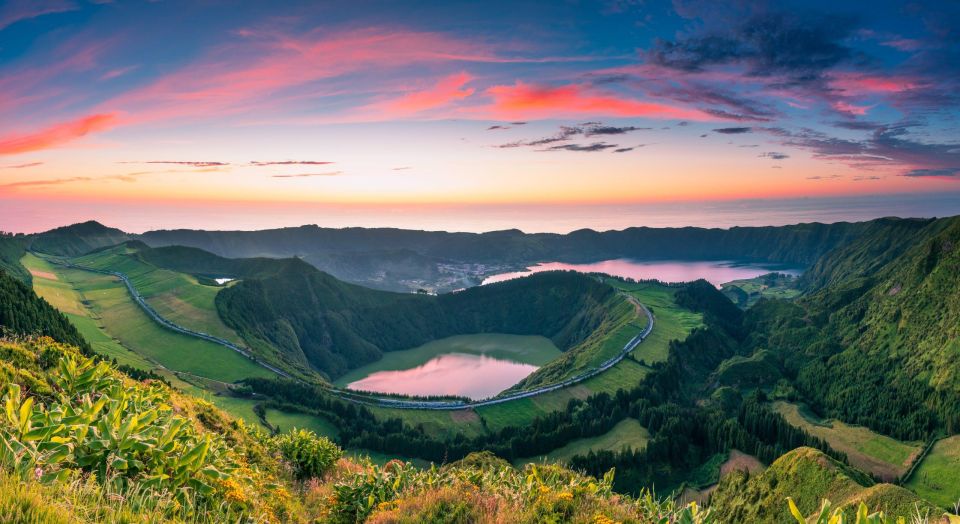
314 319
76 239
808 477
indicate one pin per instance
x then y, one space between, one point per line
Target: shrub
310 455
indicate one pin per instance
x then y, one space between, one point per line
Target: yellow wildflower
565 495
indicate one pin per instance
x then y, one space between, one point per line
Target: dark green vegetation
22 312
874 340
11 251
76 239
314 319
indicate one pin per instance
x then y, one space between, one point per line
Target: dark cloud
942 172
748 145
798 46
733 130
588 148
518 123
599 129
182 163
494 128
890 146
774 155
23 166
856 125
703 136
623 149
683 123
198 163
291 163
861 178
306 175
823 177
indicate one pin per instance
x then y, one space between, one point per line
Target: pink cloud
56 134
527 101
856 83
448 90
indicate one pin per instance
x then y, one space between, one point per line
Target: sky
208 113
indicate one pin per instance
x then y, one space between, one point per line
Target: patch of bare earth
464 416
43 274
740 461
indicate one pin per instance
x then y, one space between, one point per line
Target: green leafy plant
310 455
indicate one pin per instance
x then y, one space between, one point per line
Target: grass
435 422
937 478
286 420
64 297
106 299
179 297
533 350
871 452
759 287
672 322
627 432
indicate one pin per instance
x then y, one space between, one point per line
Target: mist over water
34 215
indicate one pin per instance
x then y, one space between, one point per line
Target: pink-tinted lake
461 374
715 272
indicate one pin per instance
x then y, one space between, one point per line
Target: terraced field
880 455
937 478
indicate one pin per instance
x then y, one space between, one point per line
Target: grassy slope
808 476
937 478
286 420
178 297
627 433
671 323
760 287
534 350
871 452
108 302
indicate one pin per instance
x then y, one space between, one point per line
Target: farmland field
937 478
107 300
874 453
627 433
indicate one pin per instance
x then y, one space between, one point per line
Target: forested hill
800 244
22 312
878 346
77 239
315 319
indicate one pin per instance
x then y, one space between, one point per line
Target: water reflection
473 376
715 272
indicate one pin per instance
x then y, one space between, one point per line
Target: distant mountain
797 244
77 239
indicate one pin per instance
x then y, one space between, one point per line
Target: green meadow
871 452
627 433
937 478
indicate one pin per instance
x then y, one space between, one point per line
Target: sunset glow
473 104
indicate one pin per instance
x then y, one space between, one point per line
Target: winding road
365 398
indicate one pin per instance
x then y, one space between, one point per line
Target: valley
609 372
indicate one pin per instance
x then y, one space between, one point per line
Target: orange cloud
447 90
56 134
523 100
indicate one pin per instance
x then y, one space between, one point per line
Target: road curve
365 398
